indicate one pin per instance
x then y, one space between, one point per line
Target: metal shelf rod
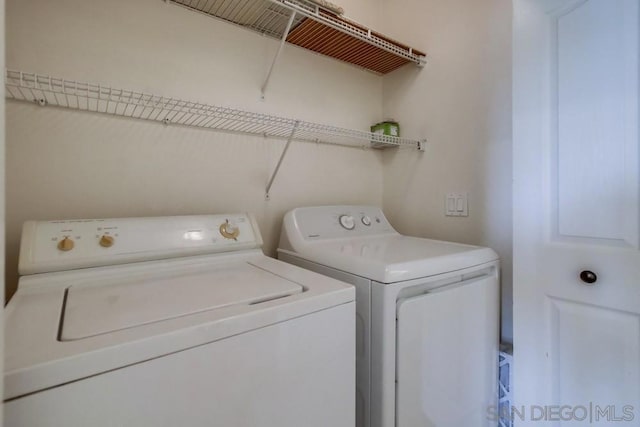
284 152
275 59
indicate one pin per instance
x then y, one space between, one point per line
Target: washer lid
93 310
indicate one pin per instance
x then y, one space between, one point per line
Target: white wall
461 102
66 164
63 164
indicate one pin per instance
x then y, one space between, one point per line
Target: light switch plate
456 204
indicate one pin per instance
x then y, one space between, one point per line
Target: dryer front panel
446 355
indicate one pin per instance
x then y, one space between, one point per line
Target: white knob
347 222
366 220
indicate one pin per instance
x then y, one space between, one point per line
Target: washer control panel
67 244
326 222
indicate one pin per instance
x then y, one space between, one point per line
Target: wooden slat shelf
319 38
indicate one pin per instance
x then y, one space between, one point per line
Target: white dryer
427 315
173 321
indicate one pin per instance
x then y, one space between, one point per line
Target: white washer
427 315
173 321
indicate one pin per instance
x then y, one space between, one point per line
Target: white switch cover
456 204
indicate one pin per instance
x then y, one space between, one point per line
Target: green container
388 128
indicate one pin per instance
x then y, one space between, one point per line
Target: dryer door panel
447 355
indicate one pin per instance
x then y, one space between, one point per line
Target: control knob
65 244
366 220
347 221
106 241
229 230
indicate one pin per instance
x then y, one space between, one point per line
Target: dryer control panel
69 244
332 222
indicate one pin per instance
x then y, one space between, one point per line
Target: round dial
106 241
229 230
66 244
366 220
347 222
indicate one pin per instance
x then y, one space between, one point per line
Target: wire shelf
258 15
314 28
46 90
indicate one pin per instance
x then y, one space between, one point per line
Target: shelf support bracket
284 152
275 58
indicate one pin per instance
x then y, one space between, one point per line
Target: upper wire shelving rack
311 26
46 90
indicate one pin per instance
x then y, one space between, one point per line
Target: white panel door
576 212
447 352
